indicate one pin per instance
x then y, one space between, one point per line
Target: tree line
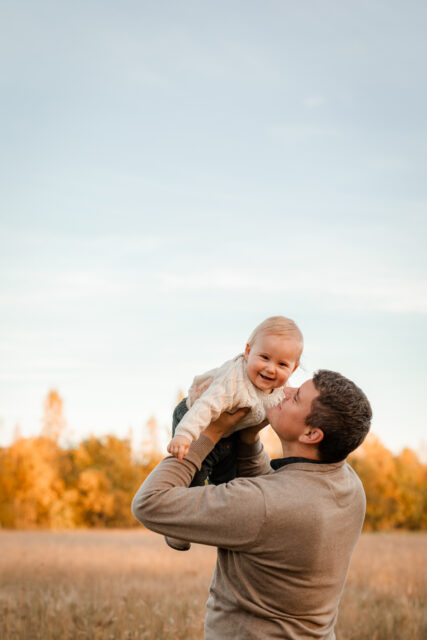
91 484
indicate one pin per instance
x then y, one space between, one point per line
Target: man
285 535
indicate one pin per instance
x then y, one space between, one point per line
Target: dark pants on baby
220 465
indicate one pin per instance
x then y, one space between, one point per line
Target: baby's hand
179 446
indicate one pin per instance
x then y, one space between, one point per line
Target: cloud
108 244
44 270
124 244
313 102
46 286
301 131
390 163
380 293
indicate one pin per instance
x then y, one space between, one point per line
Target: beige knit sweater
285 539
225 389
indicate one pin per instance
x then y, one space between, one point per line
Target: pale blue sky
174 172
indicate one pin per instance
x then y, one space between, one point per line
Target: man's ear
311 436
247 351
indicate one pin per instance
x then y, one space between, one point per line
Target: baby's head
273 352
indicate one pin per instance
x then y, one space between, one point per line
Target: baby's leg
220 465
200 477
178 414
224 468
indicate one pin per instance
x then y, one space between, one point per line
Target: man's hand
223 426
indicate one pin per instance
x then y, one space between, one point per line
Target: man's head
325 419
342 412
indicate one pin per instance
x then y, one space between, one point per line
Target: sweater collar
278 463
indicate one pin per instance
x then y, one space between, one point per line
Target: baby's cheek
285 375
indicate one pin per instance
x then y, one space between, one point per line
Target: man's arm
252 459
228 515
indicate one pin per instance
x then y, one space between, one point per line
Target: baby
253 379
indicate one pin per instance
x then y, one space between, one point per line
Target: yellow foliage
44 486
92 485
395 486
53 418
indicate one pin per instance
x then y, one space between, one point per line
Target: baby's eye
283 364
264 357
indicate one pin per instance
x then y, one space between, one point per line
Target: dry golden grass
128 584
385 597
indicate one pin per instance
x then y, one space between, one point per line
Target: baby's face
271 360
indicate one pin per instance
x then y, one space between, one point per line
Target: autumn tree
395 486
150 446
106 479
32 489
93 483
411 491
53 421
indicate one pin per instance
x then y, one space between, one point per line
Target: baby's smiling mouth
266 378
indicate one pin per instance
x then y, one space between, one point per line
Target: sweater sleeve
229 515
199 385
222 395
252 459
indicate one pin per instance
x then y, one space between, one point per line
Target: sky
174 172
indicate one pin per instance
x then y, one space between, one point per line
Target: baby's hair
278 326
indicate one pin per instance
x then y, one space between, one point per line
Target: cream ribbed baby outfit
227 388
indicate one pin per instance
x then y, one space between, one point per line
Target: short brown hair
342 412
278 326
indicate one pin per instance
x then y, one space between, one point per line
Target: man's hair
278 326
342 412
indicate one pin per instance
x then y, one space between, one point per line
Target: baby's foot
179 446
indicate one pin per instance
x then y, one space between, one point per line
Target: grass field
125 584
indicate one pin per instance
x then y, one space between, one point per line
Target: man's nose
290 392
